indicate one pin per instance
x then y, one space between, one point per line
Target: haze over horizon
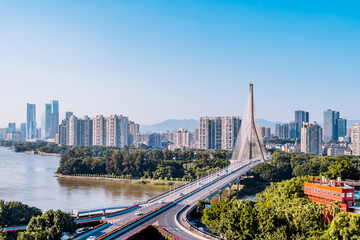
159 60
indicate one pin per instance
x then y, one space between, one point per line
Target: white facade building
311 138
355 139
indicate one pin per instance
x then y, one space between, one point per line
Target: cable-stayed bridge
170 210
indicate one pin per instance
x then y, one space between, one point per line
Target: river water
30 179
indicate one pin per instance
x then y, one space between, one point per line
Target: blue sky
156 60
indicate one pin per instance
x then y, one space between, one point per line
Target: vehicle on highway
79 231
91 238
138 213
161 201
180 194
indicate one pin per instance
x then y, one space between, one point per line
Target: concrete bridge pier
220 193
230 185
104 212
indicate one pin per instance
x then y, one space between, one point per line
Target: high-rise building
63 132
341 127
218 132
46 122
355 139
31 130
154 140
261 131
230 126
68 114
282 130
113 131
117 131
206 133
86 130
54 119
349 132
22 131
50 120
330 125
11 128
133 131
267 132
311 138
300 117
182 138
74 133
124 130
99 131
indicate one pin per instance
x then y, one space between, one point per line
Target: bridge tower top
248 145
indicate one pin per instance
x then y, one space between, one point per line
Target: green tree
344 226
343 169
266 173
50 226
16 213
2 234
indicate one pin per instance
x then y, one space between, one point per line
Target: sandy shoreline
133 181
43 153
95 178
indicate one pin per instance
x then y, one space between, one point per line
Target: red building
327 192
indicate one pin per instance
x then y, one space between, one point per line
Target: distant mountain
190 124
266 123
171 125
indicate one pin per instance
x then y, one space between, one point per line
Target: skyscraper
311 138
22 131
331 125
46 120
341 127
11 128
54 119
68 114
300 117
293 130
31 121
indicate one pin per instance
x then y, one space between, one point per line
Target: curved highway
198 190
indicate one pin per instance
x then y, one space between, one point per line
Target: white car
180 194
161 201
79 231
138 213
91 238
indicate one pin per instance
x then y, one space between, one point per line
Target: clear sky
156 60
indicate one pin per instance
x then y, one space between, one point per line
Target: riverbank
133 181
43 153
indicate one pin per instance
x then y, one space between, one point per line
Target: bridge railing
184 186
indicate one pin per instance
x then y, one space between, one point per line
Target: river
30 179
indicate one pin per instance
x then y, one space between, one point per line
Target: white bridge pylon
249 145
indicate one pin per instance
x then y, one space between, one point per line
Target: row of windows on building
328 192
327 200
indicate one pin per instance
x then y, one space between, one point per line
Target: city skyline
154 61
40 114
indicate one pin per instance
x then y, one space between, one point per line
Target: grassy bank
120 178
